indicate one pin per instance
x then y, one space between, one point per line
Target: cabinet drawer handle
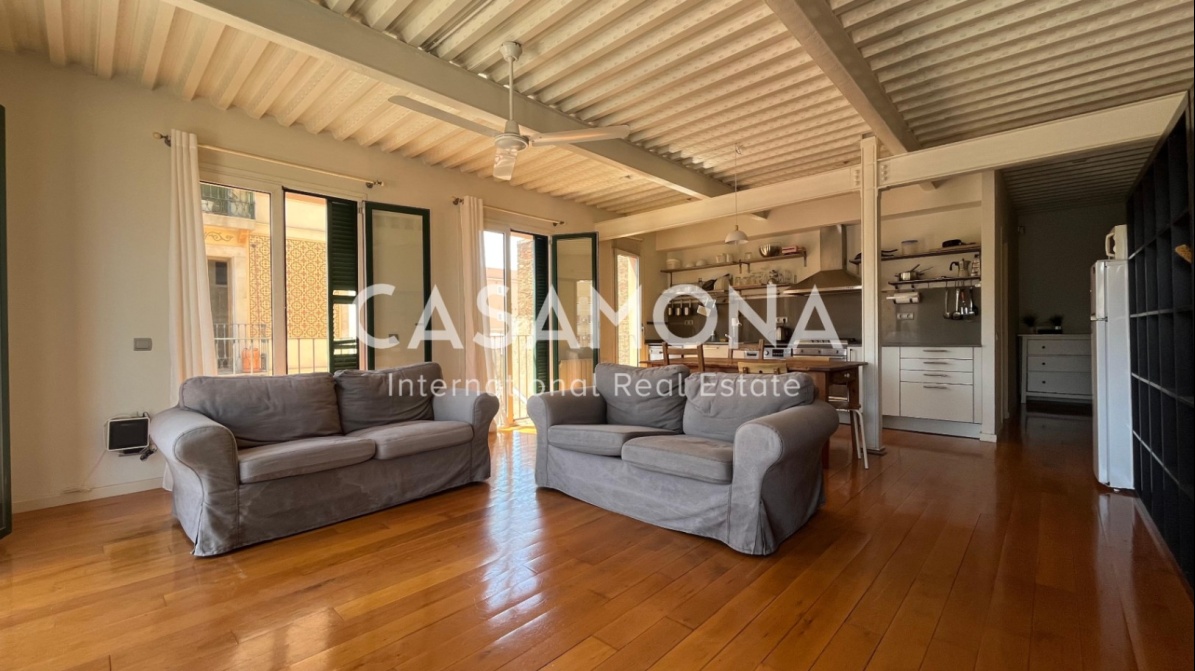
935 350
936 386
936 375
937 363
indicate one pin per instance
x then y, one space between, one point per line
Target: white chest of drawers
1056 367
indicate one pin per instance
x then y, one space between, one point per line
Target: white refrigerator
1110 373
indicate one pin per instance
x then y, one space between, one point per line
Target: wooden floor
947 554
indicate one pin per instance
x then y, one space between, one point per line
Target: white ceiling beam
163 19
1096 131
105 38
339 6
55 32
819 31
315 31
203 58
813 187
248 61
1124 126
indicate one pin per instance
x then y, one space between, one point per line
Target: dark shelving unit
1163 344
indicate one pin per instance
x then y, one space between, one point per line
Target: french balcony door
574 280
518 262
397 253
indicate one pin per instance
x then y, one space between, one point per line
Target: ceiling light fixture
736 237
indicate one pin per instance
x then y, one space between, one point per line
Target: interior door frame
367 257
555 270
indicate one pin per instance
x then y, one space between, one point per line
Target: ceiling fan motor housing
510 141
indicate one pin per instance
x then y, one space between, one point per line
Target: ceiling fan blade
437 113
504 163
586 135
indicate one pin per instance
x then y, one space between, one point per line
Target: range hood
833 277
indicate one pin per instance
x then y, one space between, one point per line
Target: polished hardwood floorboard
947 554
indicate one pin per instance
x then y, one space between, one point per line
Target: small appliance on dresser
1111 382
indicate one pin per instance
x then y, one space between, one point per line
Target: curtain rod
555 222
369 183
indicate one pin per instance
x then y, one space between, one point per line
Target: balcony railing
514 372
244 349
228 202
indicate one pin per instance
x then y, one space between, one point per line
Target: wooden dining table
825 374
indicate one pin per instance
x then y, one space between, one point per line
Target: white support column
869 217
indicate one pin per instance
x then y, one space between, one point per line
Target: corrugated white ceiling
691 77
1103 177
963 68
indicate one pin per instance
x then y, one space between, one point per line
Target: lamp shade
736 237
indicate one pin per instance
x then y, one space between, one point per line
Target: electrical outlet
782 320
905 316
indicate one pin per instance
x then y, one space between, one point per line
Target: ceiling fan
510 140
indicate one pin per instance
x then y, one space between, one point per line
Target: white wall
88 215
1057 249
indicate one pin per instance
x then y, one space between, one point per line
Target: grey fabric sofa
258 458
732 457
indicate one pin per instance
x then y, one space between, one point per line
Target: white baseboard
89 495
987 437
960 429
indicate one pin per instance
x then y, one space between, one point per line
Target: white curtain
192 344
480 363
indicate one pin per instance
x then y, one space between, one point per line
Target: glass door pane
307 343
526 296
236 233
574 274
397 253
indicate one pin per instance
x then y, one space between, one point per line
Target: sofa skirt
287 506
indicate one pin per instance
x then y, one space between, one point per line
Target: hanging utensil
946 304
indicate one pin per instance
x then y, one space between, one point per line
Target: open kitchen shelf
763 259
937 283
707 266
943 251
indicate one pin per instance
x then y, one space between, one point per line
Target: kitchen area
932 362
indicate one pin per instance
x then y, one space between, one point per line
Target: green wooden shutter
543 358
5 478
342 280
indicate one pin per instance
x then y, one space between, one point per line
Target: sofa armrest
777 478
191 440
477 409
472 407
568 406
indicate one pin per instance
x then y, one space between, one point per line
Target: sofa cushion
266 409
298 457
400 440
717 404
651 397
378 397
604 440
686 456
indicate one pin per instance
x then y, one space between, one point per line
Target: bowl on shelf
672 264
768 251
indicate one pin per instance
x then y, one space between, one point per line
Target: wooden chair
695 361
854 408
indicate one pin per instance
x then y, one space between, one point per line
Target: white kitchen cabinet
1056 367
939 384
945 402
